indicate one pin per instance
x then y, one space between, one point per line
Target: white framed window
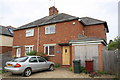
28 48
49 49
18 52
50 29
29 32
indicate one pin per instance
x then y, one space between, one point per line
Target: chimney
53 11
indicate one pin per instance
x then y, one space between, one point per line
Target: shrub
2 71
31 53
103 72
44 55
57 65
83 70
114 44
70 68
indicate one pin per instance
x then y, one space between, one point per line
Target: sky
19 12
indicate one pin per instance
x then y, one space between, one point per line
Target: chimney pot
53 11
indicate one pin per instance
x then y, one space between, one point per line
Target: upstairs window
50 29
29 32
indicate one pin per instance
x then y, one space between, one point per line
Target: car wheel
27 72
51 68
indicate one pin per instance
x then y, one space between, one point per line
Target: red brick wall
100 48
64 32
20 39
95 31
4 49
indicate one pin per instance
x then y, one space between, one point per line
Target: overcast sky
19 12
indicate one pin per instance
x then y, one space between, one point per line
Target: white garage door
87 52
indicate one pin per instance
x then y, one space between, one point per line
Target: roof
62 17
7 31
87 21
85 39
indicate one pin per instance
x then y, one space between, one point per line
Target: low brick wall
4 49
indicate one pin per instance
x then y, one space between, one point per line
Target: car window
40 59
21 59
33 59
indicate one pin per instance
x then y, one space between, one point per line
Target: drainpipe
38 38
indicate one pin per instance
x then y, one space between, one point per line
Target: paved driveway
57 73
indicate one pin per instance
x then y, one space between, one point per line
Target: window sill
51 55
29 36
49 33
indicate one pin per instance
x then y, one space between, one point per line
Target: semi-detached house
63 37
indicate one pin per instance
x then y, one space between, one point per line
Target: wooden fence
111 61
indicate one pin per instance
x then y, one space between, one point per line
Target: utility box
89 65
77 66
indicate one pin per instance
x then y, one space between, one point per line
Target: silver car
27 65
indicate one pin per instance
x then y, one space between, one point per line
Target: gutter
7 35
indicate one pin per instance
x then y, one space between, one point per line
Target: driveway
57 73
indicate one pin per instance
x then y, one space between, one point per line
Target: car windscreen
21 59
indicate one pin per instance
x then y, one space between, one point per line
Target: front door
65 55
18 52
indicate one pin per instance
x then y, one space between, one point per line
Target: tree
114 44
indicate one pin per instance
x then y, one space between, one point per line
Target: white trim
99 41
29 45
48 50
86 44
48 27
51 55
18 52
49 44
30 31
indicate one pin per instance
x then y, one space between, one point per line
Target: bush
57 65
2 71
114 44
44 55
103 72
70 68
83 70
31 53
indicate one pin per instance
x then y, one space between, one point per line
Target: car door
42 63
33 62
